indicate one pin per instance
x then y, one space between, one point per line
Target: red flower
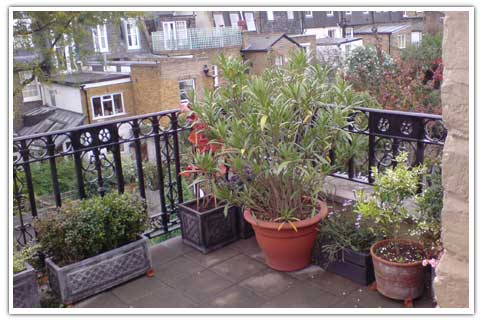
190 169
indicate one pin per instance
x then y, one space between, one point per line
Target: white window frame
329 13
309 14
306 47
103 108
215 15
270 16
348 12
52 93
34 85
366 12
279 60
134 34
180 91
401 41
405 14
290 15
97 39
348 34
420 36
250 26
234 14
334 33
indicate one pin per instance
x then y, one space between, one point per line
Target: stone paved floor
236 277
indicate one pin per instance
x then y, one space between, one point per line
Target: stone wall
451 284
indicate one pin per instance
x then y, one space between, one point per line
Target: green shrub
22 256
82 229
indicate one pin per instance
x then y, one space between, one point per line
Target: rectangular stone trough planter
25 289
355 266
208 230
88 277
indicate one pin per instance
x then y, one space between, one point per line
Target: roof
391 28
77 79
335 41
44 119
264 41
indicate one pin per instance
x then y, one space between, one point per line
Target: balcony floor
236 277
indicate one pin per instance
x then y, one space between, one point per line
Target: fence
196 38
98 154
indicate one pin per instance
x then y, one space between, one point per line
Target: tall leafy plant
275 133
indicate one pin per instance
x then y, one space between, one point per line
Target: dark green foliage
82 229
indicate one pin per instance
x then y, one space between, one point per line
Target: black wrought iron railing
145 154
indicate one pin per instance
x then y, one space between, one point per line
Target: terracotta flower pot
287 249
400 281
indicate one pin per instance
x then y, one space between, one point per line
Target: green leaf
263 122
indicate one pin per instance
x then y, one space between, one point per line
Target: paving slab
309 272
162 254
333 283
177 269
212 258
103 300
235 297
137 288
306 295
163 297
177 245
202 286
238 268
269 283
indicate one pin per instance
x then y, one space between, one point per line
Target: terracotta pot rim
323 212
390 263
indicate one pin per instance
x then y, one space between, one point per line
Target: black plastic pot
355 266
245 229
208 230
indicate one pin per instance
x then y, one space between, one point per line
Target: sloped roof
335 41
264 41
391 28
76 79
46 119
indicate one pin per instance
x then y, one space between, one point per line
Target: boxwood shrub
84 228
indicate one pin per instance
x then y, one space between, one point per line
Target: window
279 61
331 33
218 19
401 43
306 47
215 76
185 87
270 15
348 48
366 12
416 37
175 34
100 42
234 18
308 14
348 12
133 36
250 20
108 105
53 101
329 13
405 13
349 32
290 15
31 91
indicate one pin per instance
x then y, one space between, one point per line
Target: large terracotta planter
400 281
287 249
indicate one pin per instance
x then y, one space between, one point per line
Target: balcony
196 38
145 154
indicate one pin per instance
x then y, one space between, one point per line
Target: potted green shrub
343 244
25 285
276 132
397 262
94 244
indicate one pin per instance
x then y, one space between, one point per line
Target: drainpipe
82 88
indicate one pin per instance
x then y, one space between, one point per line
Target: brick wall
124 88
389 42
452 278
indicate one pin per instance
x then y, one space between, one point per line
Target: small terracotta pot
395 280
287 249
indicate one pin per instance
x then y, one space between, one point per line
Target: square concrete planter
85 278
208 230
355 266
245 229
25 289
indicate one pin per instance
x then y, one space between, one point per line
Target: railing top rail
402 113
95 125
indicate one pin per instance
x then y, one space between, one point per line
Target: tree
40 32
